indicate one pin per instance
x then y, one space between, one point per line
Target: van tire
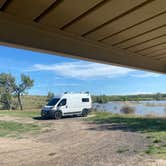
57 115
85 112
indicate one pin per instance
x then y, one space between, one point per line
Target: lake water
141 107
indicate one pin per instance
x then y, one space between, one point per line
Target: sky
61 74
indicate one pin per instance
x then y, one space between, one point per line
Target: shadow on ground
66 117
128 123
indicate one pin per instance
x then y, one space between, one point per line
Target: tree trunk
19 101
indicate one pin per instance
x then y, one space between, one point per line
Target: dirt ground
75 142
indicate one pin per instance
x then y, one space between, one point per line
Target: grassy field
32 101
16 129
25 113
153 128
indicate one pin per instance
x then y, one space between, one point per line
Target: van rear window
85 99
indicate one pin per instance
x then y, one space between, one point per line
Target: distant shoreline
140 97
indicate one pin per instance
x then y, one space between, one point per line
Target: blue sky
59 74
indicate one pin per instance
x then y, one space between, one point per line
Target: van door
63 106
74 105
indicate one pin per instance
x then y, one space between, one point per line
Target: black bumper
47 114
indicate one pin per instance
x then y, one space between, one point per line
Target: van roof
72 94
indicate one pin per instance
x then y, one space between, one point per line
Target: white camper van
67 104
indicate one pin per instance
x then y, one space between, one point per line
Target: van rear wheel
58 115
84 112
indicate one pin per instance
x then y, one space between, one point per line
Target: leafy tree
6 100
6 89
20 89
9 88
158 96
50 95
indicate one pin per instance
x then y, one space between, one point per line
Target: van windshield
53 101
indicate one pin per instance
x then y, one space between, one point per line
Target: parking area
73 141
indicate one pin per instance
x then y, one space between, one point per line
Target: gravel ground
74 142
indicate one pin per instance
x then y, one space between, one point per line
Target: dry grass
127 109
154 128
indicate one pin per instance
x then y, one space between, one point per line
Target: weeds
153 128
14 129
127 109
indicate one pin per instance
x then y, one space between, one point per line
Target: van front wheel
84 112
58 115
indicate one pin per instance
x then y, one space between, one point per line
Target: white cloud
66 84
140 92
146 74
83 70
87 70
55 85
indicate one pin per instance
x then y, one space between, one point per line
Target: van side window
85 99
62 102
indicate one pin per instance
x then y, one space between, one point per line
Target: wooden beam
31 35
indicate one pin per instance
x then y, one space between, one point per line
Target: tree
20 89
7 81
9 88
6 100
158 96
50 95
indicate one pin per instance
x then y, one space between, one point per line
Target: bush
127 110
50 95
